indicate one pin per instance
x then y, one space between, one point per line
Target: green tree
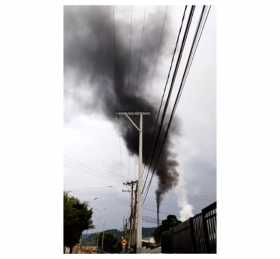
77 217
170 222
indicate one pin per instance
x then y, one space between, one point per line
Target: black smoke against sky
97 52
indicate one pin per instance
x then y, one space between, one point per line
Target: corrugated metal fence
196 235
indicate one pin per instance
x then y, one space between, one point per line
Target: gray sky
95 156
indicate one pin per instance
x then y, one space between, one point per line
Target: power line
172 85
171 65
180 89
84 168
195 42
127 85
138 199
120 149
190 60
132 217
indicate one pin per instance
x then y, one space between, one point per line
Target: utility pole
135 218
97 243
124 227
103 237
102 241
132 213
140 174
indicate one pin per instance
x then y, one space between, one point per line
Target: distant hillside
90 239
147 232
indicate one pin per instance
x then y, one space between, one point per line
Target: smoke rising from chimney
96 51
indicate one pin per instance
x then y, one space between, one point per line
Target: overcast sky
96 161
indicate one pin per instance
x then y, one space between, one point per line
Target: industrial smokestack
158 203
115 74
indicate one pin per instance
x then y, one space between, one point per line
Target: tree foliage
77 217
170 222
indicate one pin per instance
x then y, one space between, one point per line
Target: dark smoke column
116 74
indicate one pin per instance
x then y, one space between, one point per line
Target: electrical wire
165 87
195 42
171 86
128 77
189 62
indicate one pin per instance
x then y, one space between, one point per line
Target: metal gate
196 235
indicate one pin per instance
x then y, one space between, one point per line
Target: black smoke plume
97 52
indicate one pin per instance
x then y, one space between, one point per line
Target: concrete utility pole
140 174
97 242
102 241
131 239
